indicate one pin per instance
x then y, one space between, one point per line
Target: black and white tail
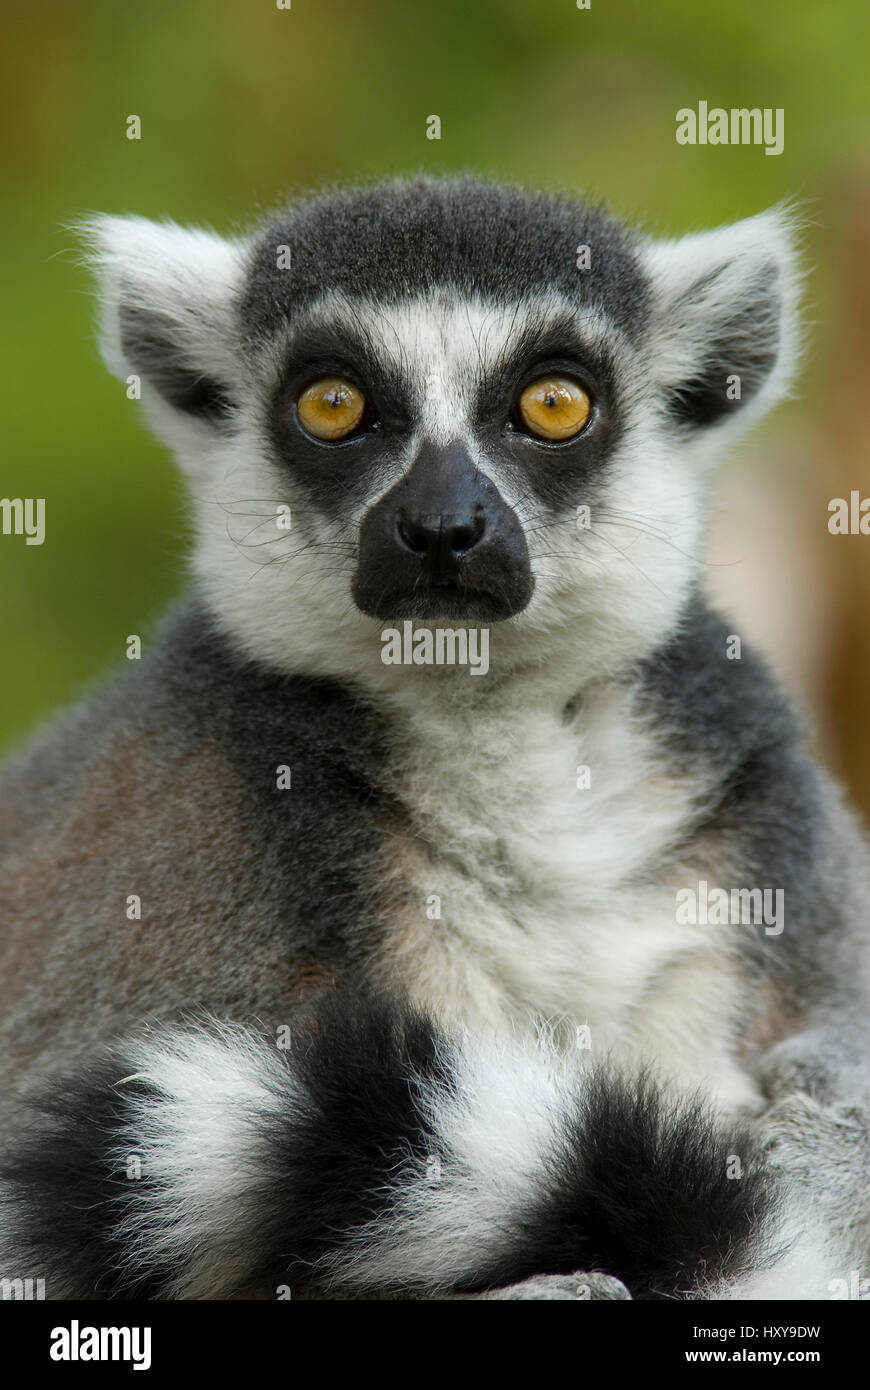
377 1156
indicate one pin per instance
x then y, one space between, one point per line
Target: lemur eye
331 408
554 407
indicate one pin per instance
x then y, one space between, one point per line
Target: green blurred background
242 103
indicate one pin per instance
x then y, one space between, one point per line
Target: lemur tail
376 1156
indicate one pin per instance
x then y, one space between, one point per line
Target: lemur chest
536 874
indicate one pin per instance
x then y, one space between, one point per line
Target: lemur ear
168 311
725 331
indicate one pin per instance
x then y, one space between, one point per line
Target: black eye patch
554 345
351 353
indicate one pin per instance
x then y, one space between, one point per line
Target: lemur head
448 402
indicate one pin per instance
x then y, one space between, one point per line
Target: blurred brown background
242 103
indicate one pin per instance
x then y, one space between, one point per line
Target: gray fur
255 900
472 236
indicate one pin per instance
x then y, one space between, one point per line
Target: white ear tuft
725 327
168 297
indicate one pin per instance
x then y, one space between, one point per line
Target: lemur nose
442 542
440 539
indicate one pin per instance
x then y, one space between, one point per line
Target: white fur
543 913
200 1138
203 1140
558 903
803 1261
190 277
496 1131
738 254
609 593
622 580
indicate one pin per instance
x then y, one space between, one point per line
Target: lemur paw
825 1151
799 1129
582 1286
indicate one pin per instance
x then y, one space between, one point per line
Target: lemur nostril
436 536
459 539
464 536
414 536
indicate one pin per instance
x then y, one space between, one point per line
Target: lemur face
448 401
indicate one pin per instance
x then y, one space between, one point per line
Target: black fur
150 344
639 1188
362 1062
732 717
62 1195
636 1187
744 344
328 1167
406 238
317 844
339 476
412 238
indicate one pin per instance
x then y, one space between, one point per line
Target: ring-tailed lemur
348 939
